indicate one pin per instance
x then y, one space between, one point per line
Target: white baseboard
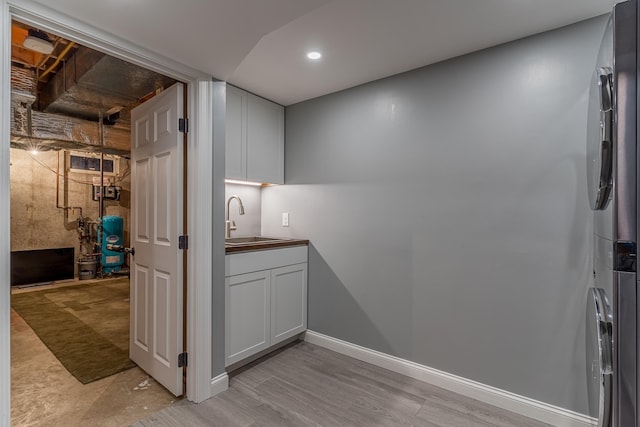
525 406
219 384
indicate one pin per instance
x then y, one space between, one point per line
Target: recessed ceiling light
314 55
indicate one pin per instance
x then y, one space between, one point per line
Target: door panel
247 315
162 206
288 302
140 289
161 293
265 141
157 195
236 134
141 135
140 190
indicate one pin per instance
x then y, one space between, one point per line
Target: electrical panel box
109 192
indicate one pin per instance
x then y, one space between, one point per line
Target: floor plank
307 385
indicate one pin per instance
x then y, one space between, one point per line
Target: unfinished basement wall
36 223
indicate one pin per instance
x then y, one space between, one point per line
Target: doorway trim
200 140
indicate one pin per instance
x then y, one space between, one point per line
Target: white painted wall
248 224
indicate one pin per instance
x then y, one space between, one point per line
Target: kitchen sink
250 240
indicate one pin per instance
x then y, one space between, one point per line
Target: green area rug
85 326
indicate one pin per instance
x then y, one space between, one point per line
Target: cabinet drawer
245 262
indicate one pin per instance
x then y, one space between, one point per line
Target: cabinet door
236 134
265 141
247 308
288 301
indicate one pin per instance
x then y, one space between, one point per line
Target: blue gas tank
112 234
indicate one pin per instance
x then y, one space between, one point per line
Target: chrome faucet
231 225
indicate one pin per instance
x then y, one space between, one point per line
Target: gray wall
448 213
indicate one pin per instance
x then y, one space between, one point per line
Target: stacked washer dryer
612 159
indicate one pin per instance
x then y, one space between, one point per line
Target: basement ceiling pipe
57 61
66 208
101 192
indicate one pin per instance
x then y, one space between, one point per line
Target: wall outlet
285 219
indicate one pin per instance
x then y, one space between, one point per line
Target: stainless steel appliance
612 315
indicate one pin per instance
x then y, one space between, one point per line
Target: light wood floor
307 385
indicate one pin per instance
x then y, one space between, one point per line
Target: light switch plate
285 219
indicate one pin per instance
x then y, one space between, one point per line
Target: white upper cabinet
254 138
265 141
236 134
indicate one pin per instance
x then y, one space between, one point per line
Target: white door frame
200 92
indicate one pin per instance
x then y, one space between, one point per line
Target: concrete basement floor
44 393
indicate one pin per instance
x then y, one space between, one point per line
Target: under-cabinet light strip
235 181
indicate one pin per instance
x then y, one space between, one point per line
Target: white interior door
157 151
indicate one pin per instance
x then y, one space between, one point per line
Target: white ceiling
260 45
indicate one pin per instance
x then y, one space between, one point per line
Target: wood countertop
273 243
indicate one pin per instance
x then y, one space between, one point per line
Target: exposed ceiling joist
76 98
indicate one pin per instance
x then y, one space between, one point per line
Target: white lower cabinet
248 310
288 302
265 307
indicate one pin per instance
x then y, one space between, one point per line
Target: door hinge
183 125
182 360
183 242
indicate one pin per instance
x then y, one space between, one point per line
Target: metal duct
91 84
52 131
23 85
55 132
68 111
